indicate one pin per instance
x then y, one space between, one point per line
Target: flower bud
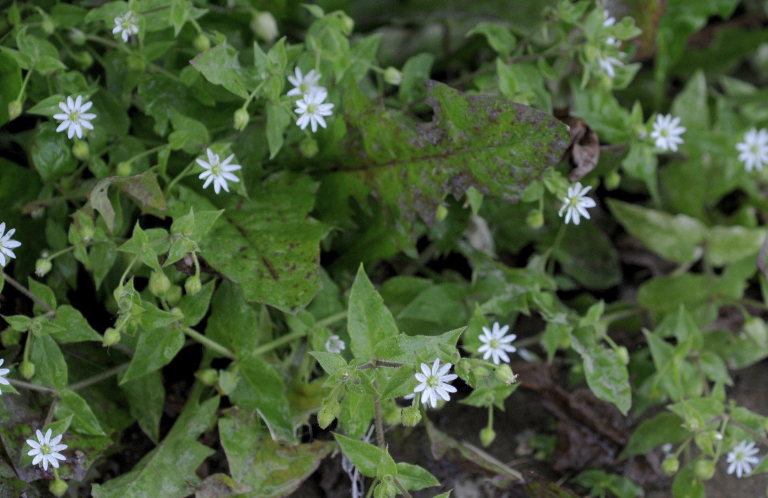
393 414
159 284
208 376
393 76
10 337
704 469
137 63
487 436
124 169
241 119
173 296
442 213
385 489
193 285
87 233
36 327
77 37
411 416
481 372
111 336
84 59
505 375
14 109
58 487
612 180
264 26
623 354
42 267
48 26
27 369
14 14
80 150
202 42
309 147
535 218
670 465
325 417
641 132
348 23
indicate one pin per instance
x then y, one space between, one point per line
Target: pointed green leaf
83 420
364 456
155 349
607 376
413 477
369 321
146 398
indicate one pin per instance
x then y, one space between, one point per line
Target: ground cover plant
260 247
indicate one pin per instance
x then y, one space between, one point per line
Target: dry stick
26 292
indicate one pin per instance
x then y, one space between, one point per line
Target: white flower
127 25
754 149
608 21
497 343
4 371
218 172
74 118
434 383
667 450
666 132
576 203
46 450
304 84
742 457
312 109
607 64
6 244
335 345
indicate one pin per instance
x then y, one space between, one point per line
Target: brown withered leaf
584 149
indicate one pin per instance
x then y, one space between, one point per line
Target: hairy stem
26 292
31 387
212 345
99 377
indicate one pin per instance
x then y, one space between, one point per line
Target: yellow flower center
432 381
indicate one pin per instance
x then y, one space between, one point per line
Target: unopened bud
173 296
42 267
612 180
81 150
208 376
58 488
309 148
241 119
137 63
704 469
325 418
264 26
77 37
348 23
393 414
442 213
623 354
487 436
411 416
87 233
111 336
393 76
84 59
505 375
202 42
124 169
36 327
48 26
535 218
10 337
193 285
481 372
14 109
177 311
670 465
385 489
27 369
641 132
159 284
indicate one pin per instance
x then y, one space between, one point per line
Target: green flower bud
27 369
137 63
623 354
124 169
535 218
111 336
159 283
641 132
48 26
77 37
309 148
81 150
393 414
612 180
704 469
325 418
393 76
14 14
58 487
86 234
42 267
348 23
505 374
411 416
36 327
84 59
173 296
14 109
10 337
487 436
670 466
264 26
177 311
385 489
202 42
208 376
241 119
442 213
193 285
481 372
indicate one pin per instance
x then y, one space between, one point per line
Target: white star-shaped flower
6 244
46 450
3 372
608 21
126 25
576 203
742 457
753 151
218 172
607 64
304 84
434 383
311 109
335 345
497 343
74 118
666 132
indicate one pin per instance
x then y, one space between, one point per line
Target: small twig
26 292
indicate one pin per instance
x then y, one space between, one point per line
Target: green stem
31 387
331 319
402 489
51 410
278 342
128 268
63 251
755 434
26 292
98 377
147 152
24 83
213 345
380 363
379 419
178 178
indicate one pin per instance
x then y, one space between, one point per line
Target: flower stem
278 342
24 83
98 377
754 433
31 387
213 345
178 178
26 292
331 319
402 489
379 419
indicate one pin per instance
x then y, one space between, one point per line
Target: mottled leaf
142 188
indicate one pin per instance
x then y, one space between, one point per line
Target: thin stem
402 489
380 363
26 292
31 387
51 410
178 178
379 419
278 342
331 319
756 435
63 251
24 83
98 377
147 152
213 345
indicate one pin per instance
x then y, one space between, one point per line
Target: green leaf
403 348
588 256
169 469
48 106
196 307
687 485
220 66
364 456
271 469
102 256
416 71
499 37
607 376
143 189
40 52
661 429
691 104
155 349
233 322
387 466
76 327
10 84
278 120
155 318
189 134
83 420
727 245
413 477
402 382
330 362
369 321
357 412
146 398
677 238
50 367
52 153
